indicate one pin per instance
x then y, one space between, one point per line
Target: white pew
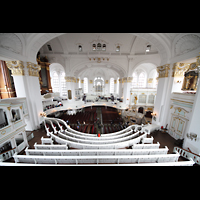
87 141
53 146
97 146
96 159
146 146
127 133
46 140
148 140
91 152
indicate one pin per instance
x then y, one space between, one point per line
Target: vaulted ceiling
68 43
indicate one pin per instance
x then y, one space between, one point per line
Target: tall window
55 82
142 80
63 84
58 83
85 85
134 81
111 85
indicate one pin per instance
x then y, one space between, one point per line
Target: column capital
16 67
19 67
179 69
70 79
163 71
33 69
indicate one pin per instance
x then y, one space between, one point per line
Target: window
94 47
142 80
80 48
55 82
49 47
111 85
63 84
117 48
85 85
58 83
104 47
134 81
99 46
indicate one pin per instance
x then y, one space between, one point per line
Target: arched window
111 85
134 81
55 82
85 85
63 84
142 80
58 83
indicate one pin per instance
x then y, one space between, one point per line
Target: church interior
108 99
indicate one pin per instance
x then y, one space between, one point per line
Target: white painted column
127 86
71 85
163 95
120 87
26 79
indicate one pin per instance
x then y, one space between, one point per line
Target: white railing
116 159
7 155
180 163
189 155
98 152
80 104
131 127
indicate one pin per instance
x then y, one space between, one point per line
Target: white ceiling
68 43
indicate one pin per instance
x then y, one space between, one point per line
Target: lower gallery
99 99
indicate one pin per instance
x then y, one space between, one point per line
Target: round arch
77 69
55 67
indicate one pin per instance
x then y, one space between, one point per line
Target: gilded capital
33 69
70 79
179 69
16 67
198 60
163 71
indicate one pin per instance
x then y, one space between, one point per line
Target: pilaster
126 91
71 85
163 94
26 79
